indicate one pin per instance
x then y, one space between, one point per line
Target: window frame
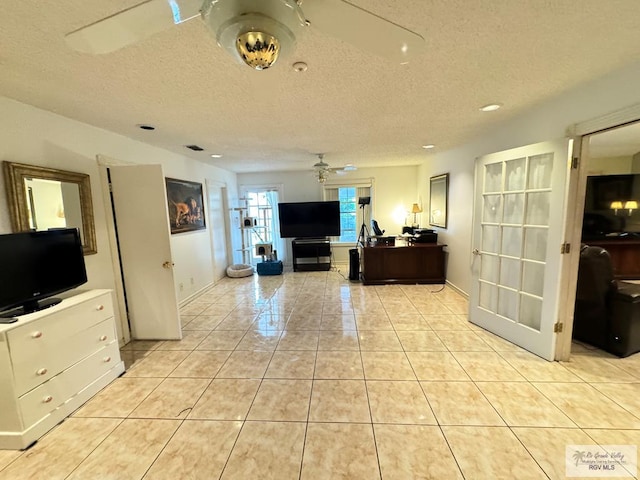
368 213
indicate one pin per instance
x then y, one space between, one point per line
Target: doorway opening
219 220
606 209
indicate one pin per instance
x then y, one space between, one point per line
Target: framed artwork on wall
185 204
438 200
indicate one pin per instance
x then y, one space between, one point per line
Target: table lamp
415 210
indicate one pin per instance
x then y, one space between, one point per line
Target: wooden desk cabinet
419 263
625 256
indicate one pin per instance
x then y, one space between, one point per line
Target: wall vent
195 148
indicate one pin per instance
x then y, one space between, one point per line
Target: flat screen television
34 266
309 219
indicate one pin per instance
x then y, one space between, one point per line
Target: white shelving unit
246 240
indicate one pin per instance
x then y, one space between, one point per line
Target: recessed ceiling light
492 107
216 155
146 127
428 146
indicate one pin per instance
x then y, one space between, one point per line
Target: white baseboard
195 295
461 292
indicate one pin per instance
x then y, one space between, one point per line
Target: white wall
36 137
547 121
635 163
394 188
610 166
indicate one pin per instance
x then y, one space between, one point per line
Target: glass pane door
518 216
515 196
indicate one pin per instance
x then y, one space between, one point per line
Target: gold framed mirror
40 198
438 200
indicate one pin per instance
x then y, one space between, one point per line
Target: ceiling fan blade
132 25
363 29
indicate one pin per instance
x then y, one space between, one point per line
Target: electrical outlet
181 286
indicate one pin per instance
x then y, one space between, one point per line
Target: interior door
518 227
217 215
140 208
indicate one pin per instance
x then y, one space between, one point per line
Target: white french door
262 205
518 227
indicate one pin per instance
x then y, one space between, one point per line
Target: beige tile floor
306 376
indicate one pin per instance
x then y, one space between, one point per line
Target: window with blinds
351 217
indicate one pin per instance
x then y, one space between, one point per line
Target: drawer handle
100 307
103 338
47 399
42 371
106 359
36 335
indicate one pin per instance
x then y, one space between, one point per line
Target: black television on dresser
36 265
309 219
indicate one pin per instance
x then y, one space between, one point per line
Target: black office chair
607 312
376 229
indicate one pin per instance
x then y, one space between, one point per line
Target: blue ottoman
270 268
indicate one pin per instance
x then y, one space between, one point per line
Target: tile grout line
244 421
313 282
190 408
94 449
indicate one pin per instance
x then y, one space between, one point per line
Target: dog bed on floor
238 270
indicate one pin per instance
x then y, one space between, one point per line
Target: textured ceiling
353 106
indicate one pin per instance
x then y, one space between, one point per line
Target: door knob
167 264
475 251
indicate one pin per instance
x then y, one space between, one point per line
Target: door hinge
565 248
575 161
558 327
110 187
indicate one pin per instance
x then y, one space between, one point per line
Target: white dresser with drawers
53 361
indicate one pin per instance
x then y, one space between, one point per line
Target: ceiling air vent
195 148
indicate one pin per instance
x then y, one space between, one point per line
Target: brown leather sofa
607 312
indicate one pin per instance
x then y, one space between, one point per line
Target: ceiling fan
323 170
256 32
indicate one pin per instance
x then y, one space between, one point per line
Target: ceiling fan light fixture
255 39
259 50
